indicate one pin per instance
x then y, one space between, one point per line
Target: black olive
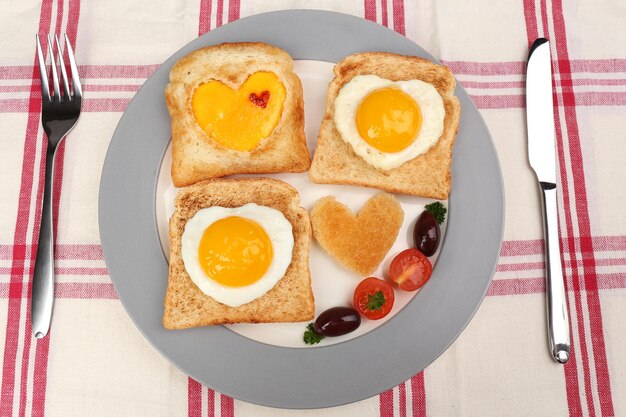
337 321
426 234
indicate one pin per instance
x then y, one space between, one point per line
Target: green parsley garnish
375 301
438 210
312 337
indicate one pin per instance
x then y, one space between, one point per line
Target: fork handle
43 278
558 320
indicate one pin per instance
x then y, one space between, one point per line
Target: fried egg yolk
235 251
240 119
388 119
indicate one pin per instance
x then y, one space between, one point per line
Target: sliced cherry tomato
373 298
410 269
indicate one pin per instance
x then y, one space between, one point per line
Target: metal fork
59 113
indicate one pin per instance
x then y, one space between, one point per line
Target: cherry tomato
410 269
373 298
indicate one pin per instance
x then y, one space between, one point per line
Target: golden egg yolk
235 251
388 119
240 119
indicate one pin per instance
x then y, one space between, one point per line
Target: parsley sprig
375 301
438 210
312 337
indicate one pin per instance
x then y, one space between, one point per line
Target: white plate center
333 285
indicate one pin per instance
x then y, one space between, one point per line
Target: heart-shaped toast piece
240 119
361 241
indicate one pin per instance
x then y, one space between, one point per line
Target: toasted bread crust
290 300
195 155
359 242
427 175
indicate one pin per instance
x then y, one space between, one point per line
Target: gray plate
286 377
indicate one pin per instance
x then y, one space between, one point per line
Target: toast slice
195 155
357 241
290 300
427 175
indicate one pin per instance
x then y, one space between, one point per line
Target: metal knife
542 157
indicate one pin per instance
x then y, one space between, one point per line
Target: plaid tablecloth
96 363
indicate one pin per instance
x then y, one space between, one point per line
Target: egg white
275 225
426 96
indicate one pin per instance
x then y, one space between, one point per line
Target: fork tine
55 77
66 84
78 90
43 74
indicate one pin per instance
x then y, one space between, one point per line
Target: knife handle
558 319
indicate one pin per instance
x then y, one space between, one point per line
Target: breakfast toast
359 242
290 300
196 155
427 175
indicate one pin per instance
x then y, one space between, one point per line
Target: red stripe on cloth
535 246
86 88
210 402
522 247
544 18
219 13
227 406
111 87
385 402
576 316
233 10
85 290
603 379
23 215
67 271
398 17
24 72
598 65
61 251
402 399
384 13
34 238
509 101
39 383
519 266
516 286
90 105
204 24
531 22
492 84
418 393
517 101
70 290
527 266
194 398
486 68
582 82
370 10
595 98
117 71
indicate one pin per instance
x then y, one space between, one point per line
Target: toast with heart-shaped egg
390 123
236 108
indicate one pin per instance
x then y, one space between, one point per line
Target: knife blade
542 158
